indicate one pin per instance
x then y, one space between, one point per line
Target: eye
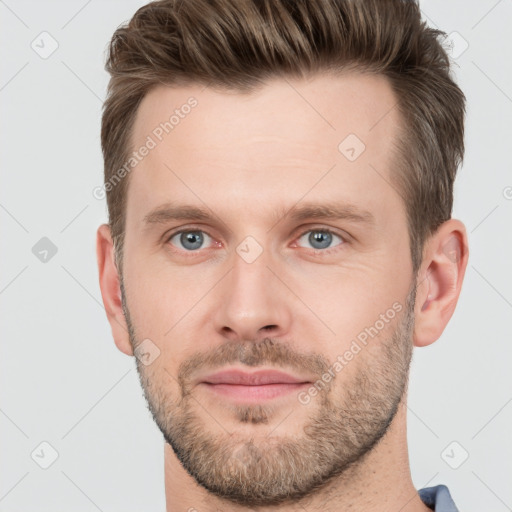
320 239
189 240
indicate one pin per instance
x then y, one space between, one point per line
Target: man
279 179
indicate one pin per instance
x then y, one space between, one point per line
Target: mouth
244 387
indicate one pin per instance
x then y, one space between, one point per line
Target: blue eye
190 240
320 239
194 240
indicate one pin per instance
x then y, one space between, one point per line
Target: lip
244 387
257 378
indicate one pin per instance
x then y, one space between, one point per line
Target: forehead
330 137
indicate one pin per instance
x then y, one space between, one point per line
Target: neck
380 482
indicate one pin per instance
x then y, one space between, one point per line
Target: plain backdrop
63 383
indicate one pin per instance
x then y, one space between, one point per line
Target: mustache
250 353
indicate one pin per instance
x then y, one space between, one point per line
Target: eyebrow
333 210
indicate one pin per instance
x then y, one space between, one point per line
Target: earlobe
110 289
440 281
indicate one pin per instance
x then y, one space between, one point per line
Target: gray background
62 381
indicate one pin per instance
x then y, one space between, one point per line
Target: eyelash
316 251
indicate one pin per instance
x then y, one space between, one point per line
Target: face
263 233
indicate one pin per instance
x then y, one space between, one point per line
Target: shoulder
438 498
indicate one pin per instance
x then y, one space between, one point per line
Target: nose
252 303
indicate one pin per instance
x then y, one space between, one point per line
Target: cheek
161 296
358 304
164 305
160 384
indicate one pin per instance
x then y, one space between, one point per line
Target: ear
110 289
439 281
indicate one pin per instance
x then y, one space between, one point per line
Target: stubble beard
346 423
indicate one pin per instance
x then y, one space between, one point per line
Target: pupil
320 239
191 240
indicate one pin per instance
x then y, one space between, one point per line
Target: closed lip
257 378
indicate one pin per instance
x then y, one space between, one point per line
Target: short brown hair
238 44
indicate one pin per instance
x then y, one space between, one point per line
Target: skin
248 159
